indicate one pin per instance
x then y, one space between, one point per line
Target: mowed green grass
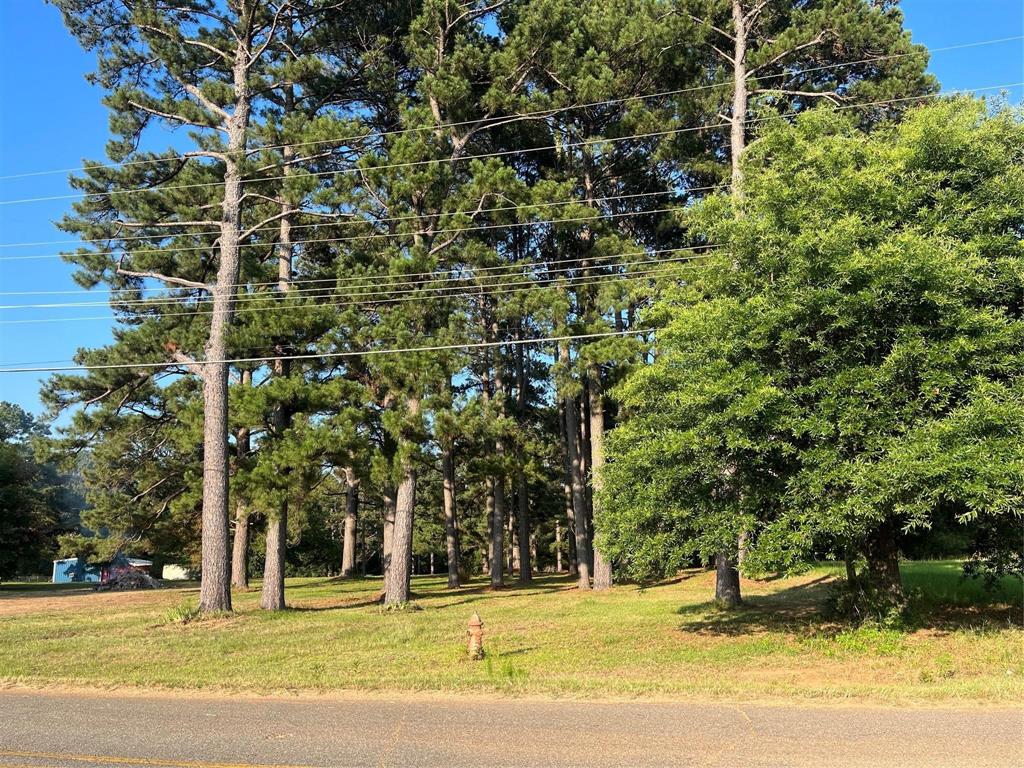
665 640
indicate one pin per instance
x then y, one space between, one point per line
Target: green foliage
37 503
183 613
851 357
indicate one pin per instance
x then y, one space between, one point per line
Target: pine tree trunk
602 567
215 585
348 550
498 527
522 489
240 548
396 581
570 546
525 561
240 545
558 546
727 581
489 515
738 127
584 460
272 595
512 534
579 497
451 522
388 533
498 533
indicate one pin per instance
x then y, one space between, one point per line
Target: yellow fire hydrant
476 638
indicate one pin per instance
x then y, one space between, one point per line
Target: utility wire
352 238
478 290
482 156
489 122
380 285
353 221
331 355
357 279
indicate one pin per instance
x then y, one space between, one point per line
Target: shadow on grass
337 606
10 591
476 592
460 596
801 609
792 609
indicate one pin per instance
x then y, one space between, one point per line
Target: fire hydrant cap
475 621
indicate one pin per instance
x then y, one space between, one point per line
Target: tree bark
738 127
602 566
570 541
584 460
525 560
272 597
498 482
498 533
389 495
396 581
240 545
558 546
522 487
579 496
348 550
882 572
240 549
727 581
215 585
451 521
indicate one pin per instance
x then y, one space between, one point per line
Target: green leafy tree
37 504
849 367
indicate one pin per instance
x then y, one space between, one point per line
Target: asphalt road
48 729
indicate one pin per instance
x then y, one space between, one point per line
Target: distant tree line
532 285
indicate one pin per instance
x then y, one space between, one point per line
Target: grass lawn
666 641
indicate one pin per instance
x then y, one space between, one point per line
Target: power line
385 167
463 158
496 289
362 221
514 224
380 285
486 123
357 279
331 355
354 238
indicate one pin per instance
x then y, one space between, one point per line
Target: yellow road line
126 761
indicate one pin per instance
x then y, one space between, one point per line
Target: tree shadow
802 609
21 591
515 652
337 606
484 591
465 595
792 609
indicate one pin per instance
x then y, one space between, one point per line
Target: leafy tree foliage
37 503
848 366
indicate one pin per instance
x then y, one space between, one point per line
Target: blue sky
51 118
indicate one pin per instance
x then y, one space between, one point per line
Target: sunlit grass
550 639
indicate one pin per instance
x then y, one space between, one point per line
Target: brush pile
131 578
